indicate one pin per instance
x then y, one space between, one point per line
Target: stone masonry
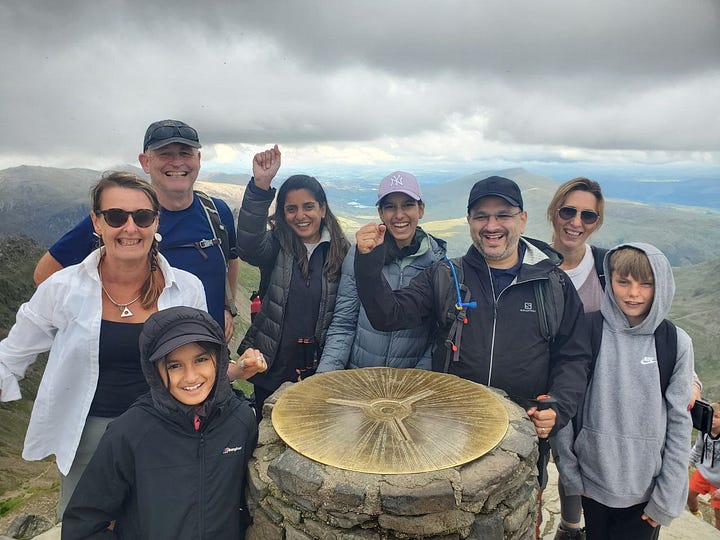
492 498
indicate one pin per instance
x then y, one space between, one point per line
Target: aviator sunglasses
588 217
115 217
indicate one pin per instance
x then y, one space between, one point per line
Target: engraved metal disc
389 420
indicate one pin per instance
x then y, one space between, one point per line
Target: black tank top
121 380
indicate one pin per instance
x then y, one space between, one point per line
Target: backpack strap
599 257
550 302
457 313
666 351
220 235
216 224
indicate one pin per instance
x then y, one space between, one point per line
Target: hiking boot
564 533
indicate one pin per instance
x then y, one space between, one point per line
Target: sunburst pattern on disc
390 421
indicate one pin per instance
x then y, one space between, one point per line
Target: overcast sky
363 82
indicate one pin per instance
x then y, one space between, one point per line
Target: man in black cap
190 222
506 315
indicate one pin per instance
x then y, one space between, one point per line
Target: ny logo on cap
396 180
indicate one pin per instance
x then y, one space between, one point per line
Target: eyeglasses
115 217
588 217
165 132
502 217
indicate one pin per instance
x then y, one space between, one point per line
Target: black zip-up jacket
162 479
502 344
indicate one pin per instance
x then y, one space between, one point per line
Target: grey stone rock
487 527
291 533
257 489
323 532
266 433
345 520
264 528
514 520
484 475
437 496
28 526
429 524
519 443
290 514
343 496
296 474
526 492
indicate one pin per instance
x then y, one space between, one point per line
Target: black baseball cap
496 186
164 132
168 329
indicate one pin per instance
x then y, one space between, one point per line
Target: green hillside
17 260
696 310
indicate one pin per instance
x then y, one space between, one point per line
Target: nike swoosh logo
647 360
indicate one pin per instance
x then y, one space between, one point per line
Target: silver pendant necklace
124 310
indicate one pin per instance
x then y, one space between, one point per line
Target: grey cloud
88 76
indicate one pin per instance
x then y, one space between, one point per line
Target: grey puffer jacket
352 342
258 246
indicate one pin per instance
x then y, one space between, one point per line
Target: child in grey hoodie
629 459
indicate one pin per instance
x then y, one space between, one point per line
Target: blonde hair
577 184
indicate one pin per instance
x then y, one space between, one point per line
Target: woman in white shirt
89 316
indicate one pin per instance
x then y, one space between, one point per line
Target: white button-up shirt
63 316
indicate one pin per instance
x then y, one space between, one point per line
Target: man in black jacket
506 315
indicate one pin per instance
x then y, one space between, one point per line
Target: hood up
169 329
664 292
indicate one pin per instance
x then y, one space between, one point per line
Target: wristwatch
232 309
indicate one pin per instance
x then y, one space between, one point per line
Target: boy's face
715 429
188 373
634 297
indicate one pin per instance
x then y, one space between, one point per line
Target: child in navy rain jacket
174 465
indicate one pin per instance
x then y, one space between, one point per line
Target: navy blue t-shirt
177 229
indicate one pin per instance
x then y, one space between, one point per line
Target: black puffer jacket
259 247
158 476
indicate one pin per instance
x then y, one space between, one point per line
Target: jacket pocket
618 463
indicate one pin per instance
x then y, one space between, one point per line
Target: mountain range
42 203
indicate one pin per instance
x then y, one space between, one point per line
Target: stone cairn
294 498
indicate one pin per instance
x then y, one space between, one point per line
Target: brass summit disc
389 420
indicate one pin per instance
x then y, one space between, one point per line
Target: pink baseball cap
399 182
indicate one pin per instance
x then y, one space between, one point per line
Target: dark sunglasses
588 217
115 217
165 132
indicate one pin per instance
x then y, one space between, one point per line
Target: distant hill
43 203
695 309
679 231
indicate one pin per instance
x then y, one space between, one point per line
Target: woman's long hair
291 242
154 284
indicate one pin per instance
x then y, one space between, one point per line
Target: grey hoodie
633 445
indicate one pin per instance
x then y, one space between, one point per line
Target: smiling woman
300 258
89 316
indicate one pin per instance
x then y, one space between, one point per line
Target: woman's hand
265 167
369 236
250 362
